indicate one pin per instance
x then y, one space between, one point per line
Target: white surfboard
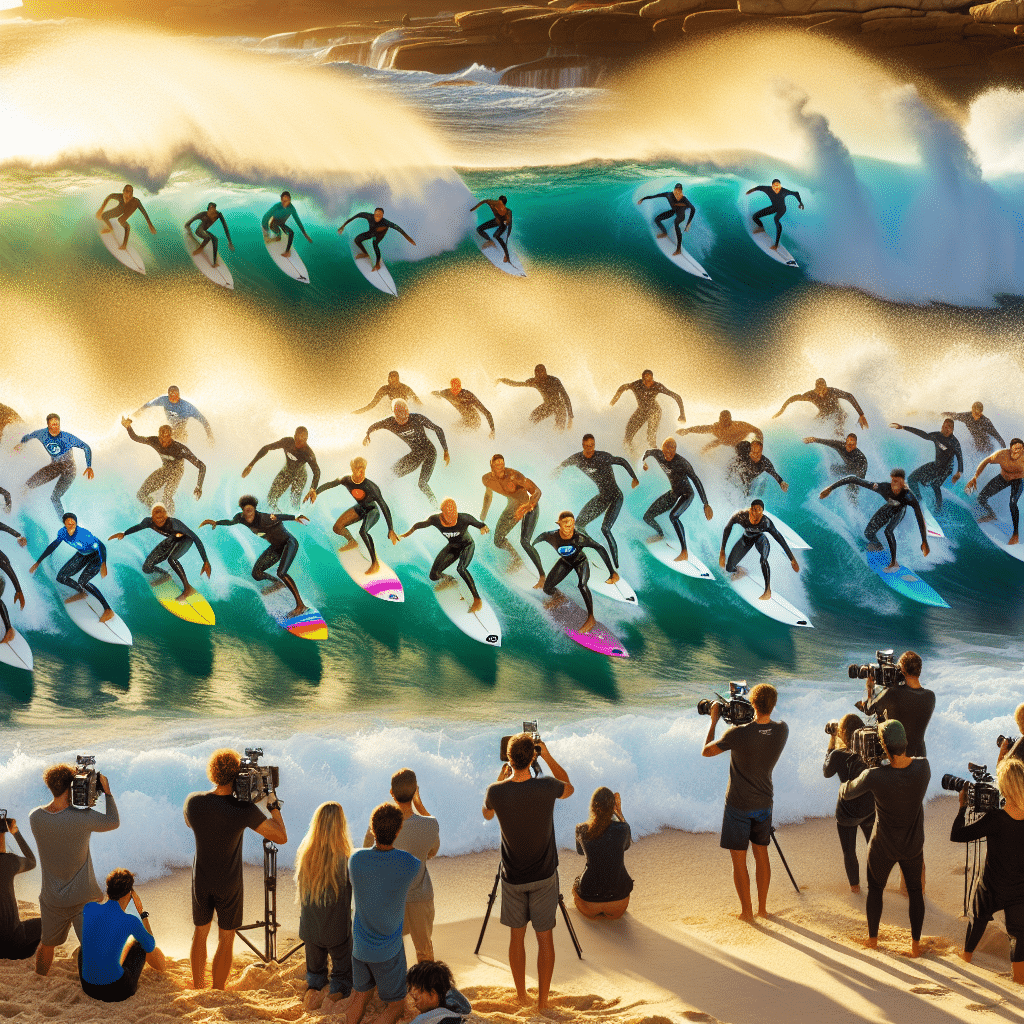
85 614
776 607
618 591
684 260
17 653
932 524
793 539
482 626
667 550
380 279
763 239
383 584
218 274
129 256
496 255
293 265
999 535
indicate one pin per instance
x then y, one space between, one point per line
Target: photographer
529 858
1016 749
68 881
898 837
219 820
756 748
1002 882
841 760
911 704
18 939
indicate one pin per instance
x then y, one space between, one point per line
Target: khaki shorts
58 921
535 902
419 924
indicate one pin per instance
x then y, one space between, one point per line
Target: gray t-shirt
899 805
755 751
420 836
68 879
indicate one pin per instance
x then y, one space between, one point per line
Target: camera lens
953 783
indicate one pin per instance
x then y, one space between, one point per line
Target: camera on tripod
528 727
883 673
982 796
737 710
85 786
254 781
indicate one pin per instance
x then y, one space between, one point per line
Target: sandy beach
680 953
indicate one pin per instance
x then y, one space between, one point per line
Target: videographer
1006 749
1002 882
843 761
18 939
911 704
68 881
529 857
219 820
756 748
898 837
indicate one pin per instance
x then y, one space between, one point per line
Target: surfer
898 497
393 390
59 445
979 426
173 456
556 400
178 413
275 220
777 195
91 558
646 391
411 427
454 526
677 500
935 474
755 525
207 219
178 538
678 205
569 543
378 227
600 468
467 405
826 400
297 456
854 461
7 417
523 495
19 597
726 431
502 220
369 503
283 547
1011 474
751 462
127 204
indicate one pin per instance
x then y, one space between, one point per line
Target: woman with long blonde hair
604 887
324 893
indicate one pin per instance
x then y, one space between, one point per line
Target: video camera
883 673
737 710
254 781
85 786
982 796
532 729
1012 740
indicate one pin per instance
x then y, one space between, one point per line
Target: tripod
784 864
269 923
490 904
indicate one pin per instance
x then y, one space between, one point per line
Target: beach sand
680 953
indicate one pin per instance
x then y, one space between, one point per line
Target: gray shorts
58 921
535 902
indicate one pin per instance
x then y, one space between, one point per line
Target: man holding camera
219 820
68 881
525 807
910 704
756 748
898 837
1009 747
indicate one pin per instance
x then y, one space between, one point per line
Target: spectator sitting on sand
434 994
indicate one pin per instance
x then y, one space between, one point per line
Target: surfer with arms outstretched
854 461
556 399
275 221
19 597
127 204
297 456
726 431
467 405
1011 474
59 446
377 228
979 426
777 196
678 207
412 427
754 524
677 500
646 391
173 456
394 389
207 218
523 495
935 473
502 220
826 401
91 558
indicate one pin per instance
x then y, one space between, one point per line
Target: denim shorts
742 827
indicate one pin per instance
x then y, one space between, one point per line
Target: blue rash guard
179 411
82 541
280 213
60 446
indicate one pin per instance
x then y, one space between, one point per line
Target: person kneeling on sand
604 887
434 994
108 970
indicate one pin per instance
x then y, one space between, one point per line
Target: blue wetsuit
62 463
90 557
279 214
178 413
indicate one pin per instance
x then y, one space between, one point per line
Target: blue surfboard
903 580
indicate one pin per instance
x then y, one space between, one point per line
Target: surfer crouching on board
173 455
523 496
297 455
727 431
207 218
646 391
854 461
569 543
91 558
935 473
777 195
754 524
502 220
127 204
677 500
1011 474
751 462
467 405
275 221
411 427
678 206
378 227
59 446
979 426
826 401
19 597
556 399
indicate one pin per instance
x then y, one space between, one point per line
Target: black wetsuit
753 537
5 566
422 454
169 475
504 225
748 470
679 473
367 498
935 474
294 473
828 404
460 546
677 209
891 514
377 230
391 392
203 231
467 406
556 399
572 556
178 538
647 409
980 429
777 208
993 487
855 462
283 546
600 467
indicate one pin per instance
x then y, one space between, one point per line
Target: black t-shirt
1017 750
219 822
848 765
756 750
911 706
605 878
1004 860
525 812
10 865
899 805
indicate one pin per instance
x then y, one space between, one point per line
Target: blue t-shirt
105 930
380 882
60 446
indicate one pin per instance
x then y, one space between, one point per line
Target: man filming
910 704
525 807
756 748
1009 748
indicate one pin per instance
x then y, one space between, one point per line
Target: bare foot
871 943
8 636
965 956
107 230
775 247
892 566
989 517
476 606
160 579
487 245
763 914
376 266
683 556
196 252
678 252
107 615
188 592
123 245
515 563
273 588
523 999
556 601
747 916
874 546
655 537
915 950
767 595
661 234
374 567
335 1003
1014 539
444 582
349 546
507 259
855 888
361 256
73 598
539 585
758 230
297 610
587 626
286 254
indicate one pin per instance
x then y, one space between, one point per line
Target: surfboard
217 274
194 608
17 653
620 591
293 265
763 239
383 584
776 607
1000 535
932 524
380 279
495 254
684 260
112 240
667 550
903 580
793 539
569 616
482 626
85 614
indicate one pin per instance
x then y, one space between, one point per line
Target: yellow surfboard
193 609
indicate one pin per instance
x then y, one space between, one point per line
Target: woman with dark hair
841 760
604 887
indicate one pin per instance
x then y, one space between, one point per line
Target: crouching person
433 991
